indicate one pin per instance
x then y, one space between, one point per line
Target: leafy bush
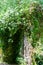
11 35
11 43
38 59
35 17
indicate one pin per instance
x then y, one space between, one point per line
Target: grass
0 55
0 51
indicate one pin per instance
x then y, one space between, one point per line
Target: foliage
38 59
17 17
11 38
35 15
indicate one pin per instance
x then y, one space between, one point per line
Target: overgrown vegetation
16 18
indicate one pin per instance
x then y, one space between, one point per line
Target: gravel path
27 51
